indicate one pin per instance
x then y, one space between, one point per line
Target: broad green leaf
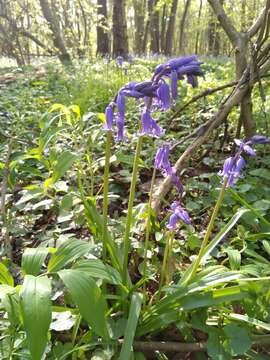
36 313
250 320
67 252
11 303
95 223
32 260
215 346
96 269
87 295
5 276
239 339
64 162
133 317
6 289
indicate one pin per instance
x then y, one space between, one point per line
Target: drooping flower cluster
162 162
178 214
176 69
155 93
234 164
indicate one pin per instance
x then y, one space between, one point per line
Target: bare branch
225 21
199 96
257 24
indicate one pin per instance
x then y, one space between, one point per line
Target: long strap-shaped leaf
216 240
87 295
134 313
36 313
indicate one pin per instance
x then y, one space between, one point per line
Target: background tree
120 38
102 31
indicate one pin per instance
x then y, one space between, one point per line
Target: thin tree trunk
102 34
182 27
154 26
120 39
163 28
198 30
170 29
58 39
139 11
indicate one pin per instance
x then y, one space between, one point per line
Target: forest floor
40 148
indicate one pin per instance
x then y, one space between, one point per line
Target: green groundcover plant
83 299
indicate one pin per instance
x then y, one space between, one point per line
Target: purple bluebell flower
162 159
119 61
120 128
232 169
176 69
149 125
162 162
244 147
178 214
233 165
109 113
120 101
258 139
163 94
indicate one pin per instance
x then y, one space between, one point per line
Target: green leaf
67 252
239 339
87 295
133 317
215 347
234 258
96 269
250 320
5 276
64 162
36 313
210 247
33 259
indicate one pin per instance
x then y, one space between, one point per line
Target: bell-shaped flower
149 125
178 214
245 147
258 139
163 95
109 114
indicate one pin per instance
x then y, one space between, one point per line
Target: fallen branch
168 346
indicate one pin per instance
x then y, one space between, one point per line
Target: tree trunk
182 27
163 28
154 26
198 30
240 41
170 29
139 10
120 39
58 39
102 34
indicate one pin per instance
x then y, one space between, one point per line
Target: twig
169 346
199 96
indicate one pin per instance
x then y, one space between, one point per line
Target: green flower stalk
130 208
106 191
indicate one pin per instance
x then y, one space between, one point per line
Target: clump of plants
99 299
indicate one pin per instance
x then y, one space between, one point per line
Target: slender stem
148 228
208 232
165 262
106 191
130 208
